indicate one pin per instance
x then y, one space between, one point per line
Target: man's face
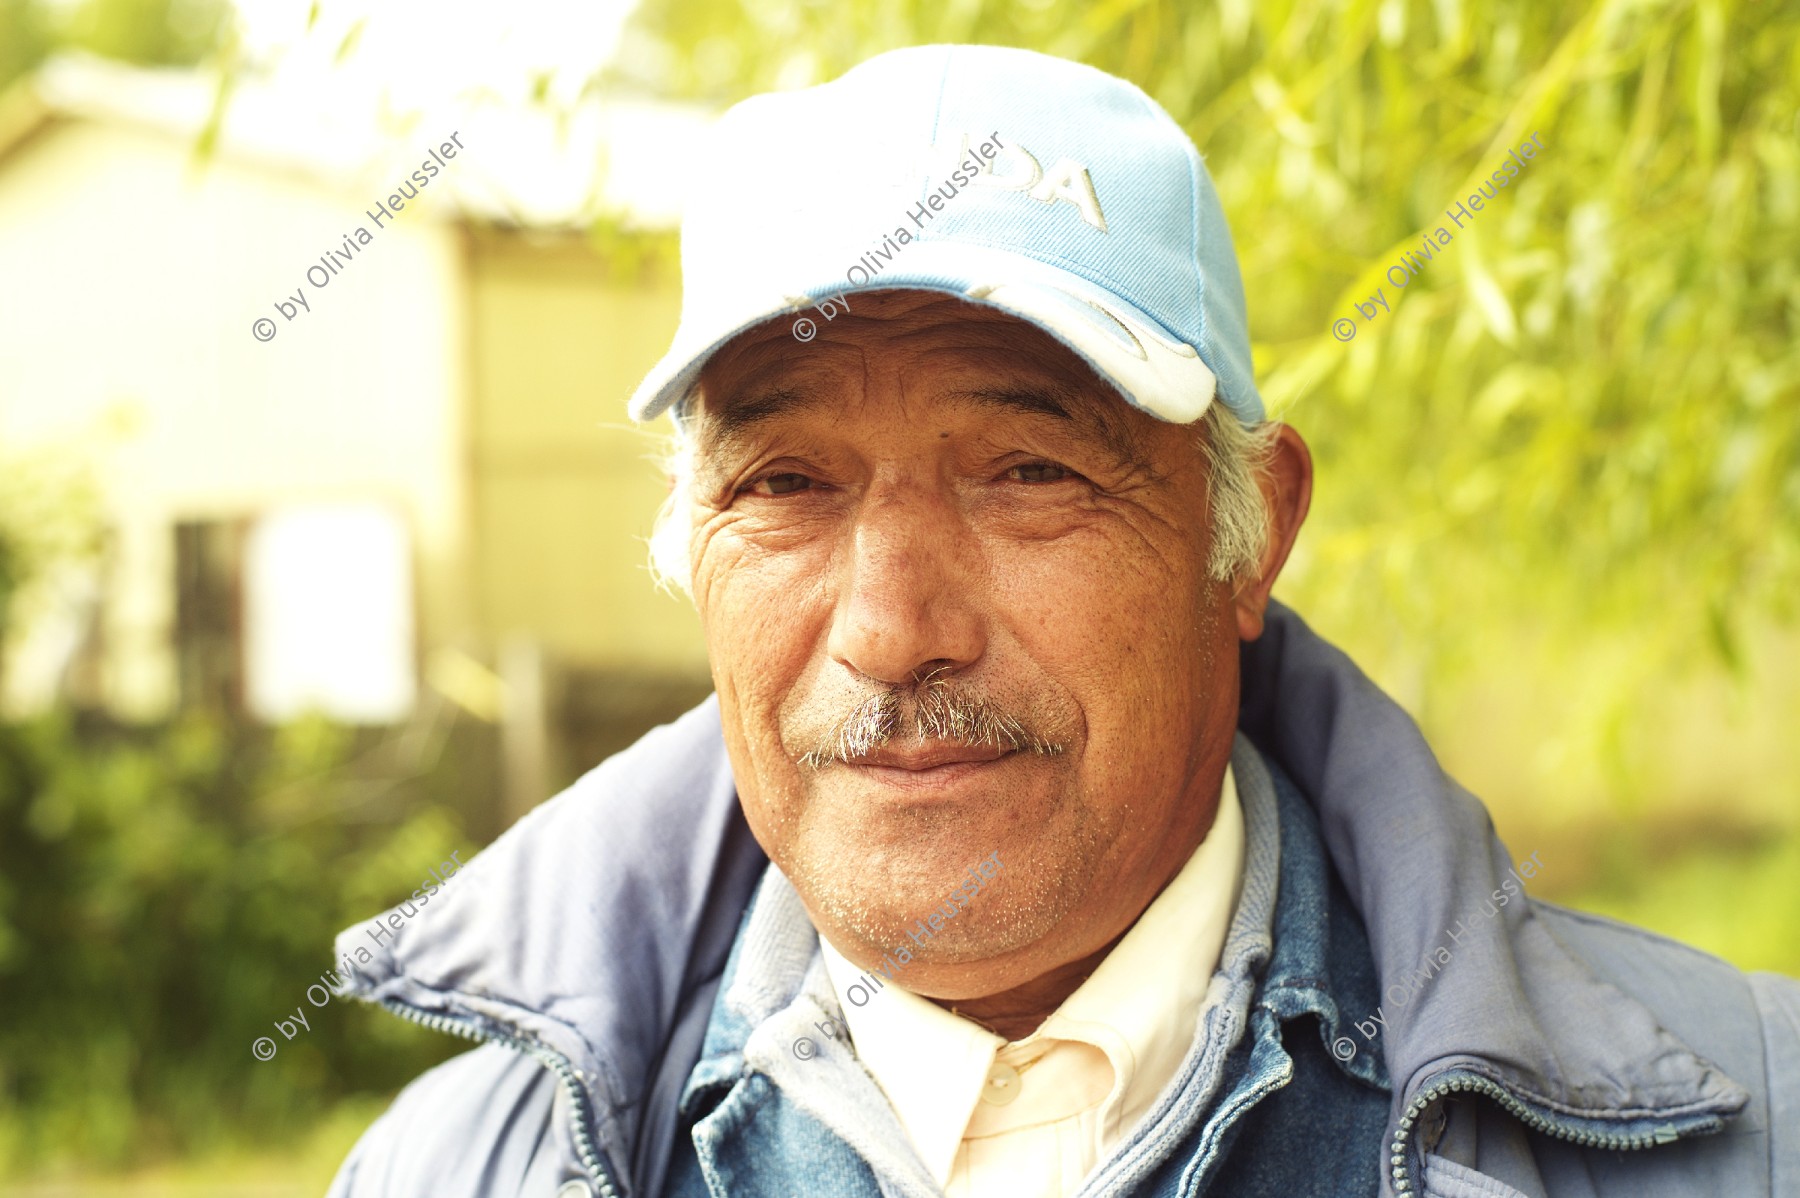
936 517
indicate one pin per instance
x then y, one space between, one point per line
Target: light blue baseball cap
1042 187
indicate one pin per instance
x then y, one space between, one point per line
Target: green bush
165 896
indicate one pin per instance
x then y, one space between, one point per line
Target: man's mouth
927 766
931 756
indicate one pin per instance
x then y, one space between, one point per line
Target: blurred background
284 622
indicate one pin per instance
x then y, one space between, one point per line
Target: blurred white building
430 458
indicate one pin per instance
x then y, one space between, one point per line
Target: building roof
529 166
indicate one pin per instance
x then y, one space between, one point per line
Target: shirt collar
930 1064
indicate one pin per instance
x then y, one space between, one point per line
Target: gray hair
1237 460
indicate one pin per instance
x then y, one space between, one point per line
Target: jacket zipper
551 1060
1667 1133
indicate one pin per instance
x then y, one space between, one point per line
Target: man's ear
1287 489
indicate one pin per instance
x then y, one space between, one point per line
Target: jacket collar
591 934
1469 998
594 931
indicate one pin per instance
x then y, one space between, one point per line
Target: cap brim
1151 369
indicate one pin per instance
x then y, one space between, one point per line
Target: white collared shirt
1087 1075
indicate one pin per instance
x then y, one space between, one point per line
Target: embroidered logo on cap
1016 168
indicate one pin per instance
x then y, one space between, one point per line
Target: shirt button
1002 1084
575 1189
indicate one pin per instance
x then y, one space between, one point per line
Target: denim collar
1321 964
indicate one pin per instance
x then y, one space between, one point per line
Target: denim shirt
778 1106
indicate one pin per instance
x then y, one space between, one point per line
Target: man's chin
983 929
944 898
910 862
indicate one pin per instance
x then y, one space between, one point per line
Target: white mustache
937 713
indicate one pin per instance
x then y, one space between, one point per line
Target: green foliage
1734 892
167 894
150 32
48 523
24 38
12 573
49 516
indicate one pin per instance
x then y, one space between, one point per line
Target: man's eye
1040 472
780 484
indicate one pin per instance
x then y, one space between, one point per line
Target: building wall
564 486
129 281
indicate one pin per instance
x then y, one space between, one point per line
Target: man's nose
910 588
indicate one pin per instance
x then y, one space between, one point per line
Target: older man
1027 848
